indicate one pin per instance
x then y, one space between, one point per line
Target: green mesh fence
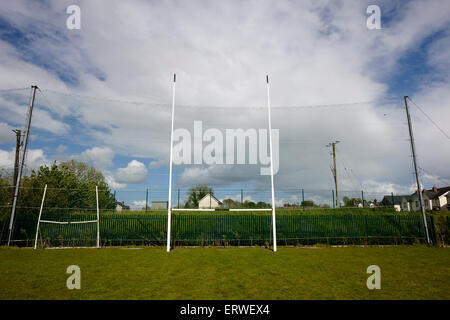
195 229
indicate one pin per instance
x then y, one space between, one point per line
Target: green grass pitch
407 272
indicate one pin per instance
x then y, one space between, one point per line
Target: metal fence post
362 198
334 203
303 199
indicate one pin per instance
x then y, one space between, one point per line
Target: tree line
70 184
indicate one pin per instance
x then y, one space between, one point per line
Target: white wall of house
443 199
208 202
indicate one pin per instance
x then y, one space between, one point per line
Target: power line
431 120
438 178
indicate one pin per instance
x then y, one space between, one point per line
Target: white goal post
169 207
97 221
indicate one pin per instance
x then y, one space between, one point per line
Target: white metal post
169 207
39 218
271 169
98 218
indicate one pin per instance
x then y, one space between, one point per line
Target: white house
433 199
209 202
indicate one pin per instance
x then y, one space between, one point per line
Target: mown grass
407 272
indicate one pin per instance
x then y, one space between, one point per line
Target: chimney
434 189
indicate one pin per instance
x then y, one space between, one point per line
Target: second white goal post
170 209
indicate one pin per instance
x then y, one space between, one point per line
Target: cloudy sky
106 89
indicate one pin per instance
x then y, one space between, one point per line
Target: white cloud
134 172
316 53
101 157
157 164
6 134
33 159
137 205
111 181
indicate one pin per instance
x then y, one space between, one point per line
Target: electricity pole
333 146
19 173
16 167
419 190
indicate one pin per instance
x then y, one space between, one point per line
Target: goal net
64 227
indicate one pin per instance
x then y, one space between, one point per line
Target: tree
351 202
249 204
308 203
230 203
262 205
196 194
69 185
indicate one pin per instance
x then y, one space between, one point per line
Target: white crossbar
69 222
250 209
176 209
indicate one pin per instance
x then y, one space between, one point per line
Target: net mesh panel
64 126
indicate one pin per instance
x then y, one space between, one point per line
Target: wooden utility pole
16 168
16 159
413 150
333 147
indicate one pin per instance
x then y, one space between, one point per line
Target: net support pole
19 174
274 229
419 189
169 205
98 218
39 217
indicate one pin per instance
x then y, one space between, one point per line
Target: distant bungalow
434 199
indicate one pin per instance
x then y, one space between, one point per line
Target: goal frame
97 221
169 205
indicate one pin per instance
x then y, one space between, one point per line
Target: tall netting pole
19 175
98 218
169 205
271 169
39 218
419 189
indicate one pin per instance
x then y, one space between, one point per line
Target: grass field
407 272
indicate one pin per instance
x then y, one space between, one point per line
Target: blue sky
106 89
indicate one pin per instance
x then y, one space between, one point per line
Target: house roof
397 199
435 192
209 194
